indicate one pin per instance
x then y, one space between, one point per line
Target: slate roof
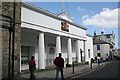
97 41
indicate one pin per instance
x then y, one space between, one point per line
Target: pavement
68 72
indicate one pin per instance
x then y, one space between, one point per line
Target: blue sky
95 16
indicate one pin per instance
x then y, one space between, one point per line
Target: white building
104 45
44 35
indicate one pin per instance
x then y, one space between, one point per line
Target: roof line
89 35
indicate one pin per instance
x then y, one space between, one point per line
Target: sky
95 16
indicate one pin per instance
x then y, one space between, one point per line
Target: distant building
104 45
117 52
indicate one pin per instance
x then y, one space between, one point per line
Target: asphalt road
110 70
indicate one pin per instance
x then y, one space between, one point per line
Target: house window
25 51
111 46
108 36
51 50
98 47
89 53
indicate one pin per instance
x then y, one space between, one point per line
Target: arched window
51 50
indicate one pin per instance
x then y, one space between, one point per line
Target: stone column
58 45
78 51
69 55
41 53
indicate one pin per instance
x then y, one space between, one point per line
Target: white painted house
104 45
44 35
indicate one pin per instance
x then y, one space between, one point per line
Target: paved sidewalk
68 72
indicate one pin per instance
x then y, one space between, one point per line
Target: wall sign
64 26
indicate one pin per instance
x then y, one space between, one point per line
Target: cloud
85 17
72 17
80 9
107 18
103 30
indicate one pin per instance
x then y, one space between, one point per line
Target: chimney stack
102 35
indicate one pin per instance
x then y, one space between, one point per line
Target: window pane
25 51
98 47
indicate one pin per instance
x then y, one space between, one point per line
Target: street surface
110 70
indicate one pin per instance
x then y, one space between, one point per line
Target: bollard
73 67
91 65
92 60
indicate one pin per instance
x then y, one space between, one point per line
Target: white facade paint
42 34
107 45
41 53
48 24
104 49
69 53
89 46
58 45
78 51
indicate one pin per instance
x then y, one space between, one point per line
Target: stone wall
0 43
7 9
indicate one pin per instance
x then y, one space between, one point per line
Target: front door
99 54
51 56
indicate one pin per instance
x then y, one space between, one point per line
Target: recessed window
98 47
108 36
89 53
25 51
111 46
51 50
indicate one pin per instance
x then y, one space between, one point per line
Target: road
110 70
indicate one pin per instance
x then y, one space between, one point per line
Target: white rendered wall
89 44
95 50
104 49
77 31
39 19
48 24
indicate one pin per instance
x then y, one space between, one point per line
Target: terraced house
44 35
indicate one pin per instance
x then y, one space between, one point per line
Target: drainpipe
10 32
13 38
